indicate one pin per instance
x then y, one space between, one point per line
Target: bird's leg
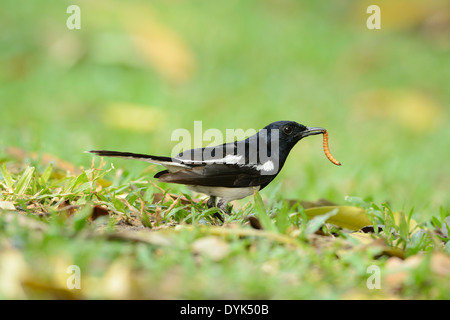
211 202
222 205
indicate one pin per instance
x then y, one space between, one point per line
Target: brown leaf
99 211
254 222
66 207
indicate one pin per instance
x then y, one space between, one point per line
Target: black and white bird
233 170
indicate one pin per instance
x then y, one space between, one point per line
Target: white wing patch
266 166
229 159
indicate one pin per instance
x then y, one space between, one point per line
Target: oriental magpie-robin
232 170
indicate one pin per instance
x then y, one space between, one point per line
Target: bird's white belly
225 193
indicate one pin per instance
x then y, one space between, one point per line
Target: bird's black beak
310 131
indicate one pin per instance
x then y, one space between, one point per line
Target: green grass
148 246
382 95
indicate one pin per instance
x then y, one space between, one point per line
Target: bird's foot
211 202
222 204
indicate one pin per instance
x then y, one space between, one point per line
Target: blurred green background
138 70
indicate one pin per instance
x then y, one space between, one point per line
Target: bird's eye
287 130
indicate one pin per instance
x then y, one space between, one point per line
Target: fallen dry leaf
380 245
211 246
99 211
45 290
348 217
66 207
7 205
311 204
255 223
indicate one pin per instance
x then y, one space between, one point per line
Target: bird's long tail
130 155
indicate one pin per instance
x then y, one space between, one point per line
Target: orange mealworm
327 150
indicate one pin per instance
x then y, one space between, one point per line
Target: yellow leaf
369 242
347 217
104 183
362 237
398 217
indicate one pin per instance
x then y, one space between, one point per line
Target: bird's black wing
218 175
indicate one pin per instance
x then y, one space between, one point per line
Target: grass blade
8 179
46 175
262 214
316 223
24 181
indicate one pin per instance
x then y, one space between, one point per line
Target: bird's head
290 132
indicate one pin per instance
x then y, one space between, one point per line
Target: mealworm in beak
327 150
